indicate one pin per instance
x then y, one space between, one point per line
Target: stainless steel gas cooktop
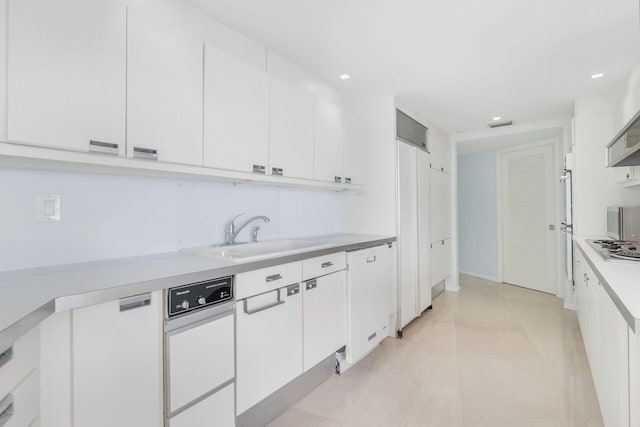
616 250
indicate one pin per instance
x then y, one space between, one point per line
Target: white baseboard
480 276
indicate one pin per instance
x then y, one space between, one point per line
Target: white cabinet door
193 374
67 70
164 90
269 344
424 240
440 206
215 410
117 363
325 317
440 261
291 132
355 148
328 148
369 278
236 113
408 232
612 380
440 154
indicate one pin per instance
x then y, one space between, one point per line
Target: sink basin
251 251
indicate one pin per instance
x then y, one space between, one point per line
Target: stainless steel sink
251 251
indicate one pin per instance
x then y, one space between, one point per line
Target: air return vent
500 124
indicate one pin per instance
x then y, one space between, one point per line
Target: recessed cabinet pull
326 264
145 153
136 301
273 278
311 284
371 259
259 169
347 180
6 409
103 147
6 356
277 171
337 179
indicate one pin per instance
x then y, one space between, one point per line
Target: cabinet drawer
19 360
319 266
218 407
267 279
26 402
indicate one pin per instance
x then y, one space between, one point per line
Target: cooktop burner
616 250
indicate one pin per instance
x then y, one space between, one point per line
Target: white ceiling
457 62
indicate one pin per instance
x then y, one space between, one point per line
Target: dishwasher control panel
196 296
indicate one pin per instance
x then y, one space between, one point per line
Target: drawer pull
293 290
273 278
337 179
6 356
372 336
264 307
6 409
371 259
311 284
326 264
103 147
135 302
145 153
347 180
259 169
277 171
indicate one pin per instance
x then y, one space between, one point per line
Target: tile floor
490 355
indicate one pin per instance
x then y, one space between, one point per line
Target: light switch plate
48 207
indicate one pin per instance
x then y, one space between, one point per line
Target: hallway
490 355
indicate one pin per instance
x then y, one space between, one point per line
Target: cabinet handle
136 301
6 356
6 409
279 301
371 259
293 290
259 169
145 153
326 264
337 179
311 284
103 147
273 278
277 171
372 336
441 169
347 180
443 242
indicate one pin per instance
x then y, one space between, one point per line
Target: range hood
624 149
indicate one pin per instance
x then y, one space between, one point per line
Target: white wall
477 216
111 216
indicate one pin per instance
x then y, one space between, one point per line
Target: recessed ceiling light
345 76
496 118
597 76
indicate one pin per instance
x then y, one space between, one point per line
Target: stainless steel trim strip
279 301
135 301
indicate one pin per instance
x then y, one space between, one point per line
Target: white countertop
28 296
620 279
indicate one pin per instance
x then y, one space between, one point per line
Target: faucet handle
254 233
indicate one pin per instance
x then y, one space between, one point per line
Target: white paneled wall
111 216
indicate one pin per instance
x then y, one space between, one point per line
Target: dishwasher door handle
264 307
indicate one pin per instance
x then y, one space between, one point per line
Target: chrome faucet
232 231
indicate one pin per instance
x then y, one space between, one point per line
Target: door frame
555 143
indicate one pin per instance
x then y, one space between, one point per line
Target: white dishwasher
199 355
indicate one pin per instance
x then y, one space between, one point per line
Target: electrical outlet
48 207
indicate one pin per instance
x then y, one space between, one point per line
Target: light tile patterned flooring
490 355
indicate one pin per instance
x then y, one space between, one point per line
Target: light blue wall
477 215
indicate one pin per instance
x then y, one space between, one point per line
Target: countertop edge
626 314
69 302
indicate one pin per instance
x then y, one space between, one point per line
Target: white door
408 232
328 142
528 218
67 70
424 241
164 90
236 113
291 130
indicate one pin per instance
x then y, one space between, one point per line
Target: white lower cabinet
634 378
440 261
325 317
117 363
25 400
269 343
213 408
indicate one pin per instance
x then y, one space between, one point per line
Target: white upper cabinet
440 154
328 151
355 148
440 206
164 91
67 74
291 130
236 113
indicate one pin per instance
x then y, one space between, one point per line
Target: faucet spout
232 230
